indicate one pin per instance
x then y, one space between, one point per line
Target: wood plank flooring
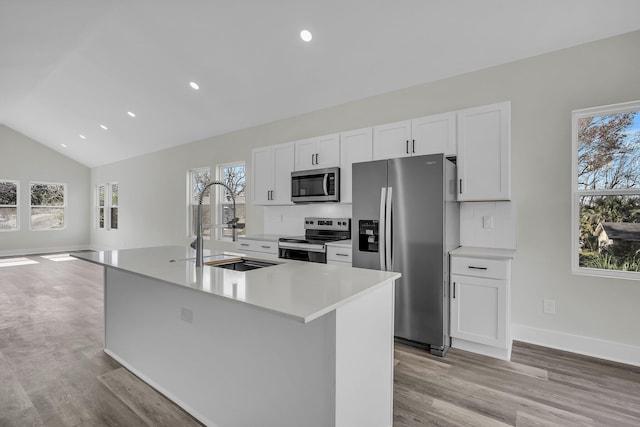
53 371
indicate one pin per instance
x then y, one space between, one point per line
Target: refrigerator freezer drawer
491 269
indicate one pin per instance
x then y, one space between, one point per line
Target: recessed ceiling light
306 35
130 114
104 127
64 145
82 136
194 85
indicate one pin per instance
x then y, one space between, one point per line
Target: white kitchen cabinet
479 303
318 153
355 146
416 137
484 153
272 167
258 248
339 253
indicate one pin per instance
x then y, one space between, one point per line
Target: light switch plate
549 306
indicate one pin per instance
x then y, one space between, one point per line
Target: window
107 206
9 196
47 206
606 190
196 180
233 175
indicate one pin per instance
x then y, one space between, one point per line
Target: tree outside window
101 206
47 206
607 190
233 175
113 220
9 205
197 179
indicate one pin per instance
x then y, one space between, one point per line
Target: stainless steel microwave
316 185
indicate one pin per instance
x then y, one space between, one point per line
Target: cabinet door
327 151
305 152
392 140
355 146
478 310
484 153
262 176
434 134
283 162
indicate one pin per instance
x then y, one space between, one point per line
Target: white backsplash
289 220
488 224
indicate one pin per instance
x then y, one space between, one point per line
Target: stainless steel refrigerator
406 219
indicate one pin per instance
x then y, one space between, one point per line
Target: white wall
25 160
543 91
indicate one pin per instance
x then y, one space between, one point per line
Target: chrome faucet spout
233 223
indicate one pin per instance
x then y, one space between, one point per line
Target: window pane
101 195
47 195
609 151
101 218
47 218
199 178
114 218
234 177
610 232
114 195
8 218
206 220
227 215
8 193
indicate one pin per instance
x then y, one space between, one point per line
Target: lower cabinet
258 248
480 308
339 255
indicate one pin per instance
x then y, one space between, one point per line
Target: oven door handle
302 246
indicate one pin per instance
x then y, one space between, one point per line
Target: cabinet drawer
489 268
335 253
257 246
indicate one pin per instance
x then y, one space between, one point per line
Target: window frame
576 193
219 205
108 205
191 206
17 206
63 207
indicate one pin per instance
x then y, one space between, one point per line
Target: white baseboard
38 251
602 349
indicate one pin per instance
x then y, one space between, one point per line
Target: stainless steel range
311 247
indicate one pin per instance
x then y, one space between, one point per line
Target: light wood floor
53 371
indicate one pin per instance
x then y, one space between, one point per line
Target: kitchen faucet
233 223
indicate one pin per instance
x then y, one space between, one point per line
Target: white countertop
340 244
489 253
299 290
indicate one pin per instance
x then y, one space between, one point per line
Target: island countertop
302 291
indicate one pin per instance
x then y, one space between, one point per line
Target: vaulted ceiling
69 66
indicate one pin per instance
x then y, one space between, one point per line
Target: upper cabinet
484 153
318 152
272 167
425 135
355 146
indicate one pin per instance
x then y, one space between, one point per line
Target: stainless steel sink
244 265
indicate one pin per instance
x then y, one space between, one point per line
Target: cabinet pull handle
317 159
407 147
413 146
477 268
244 244
268 194
454 290
460 186
265 247
312 161
342 254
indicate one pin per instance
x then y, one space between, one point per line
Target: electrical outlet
186 315
487 221
549 306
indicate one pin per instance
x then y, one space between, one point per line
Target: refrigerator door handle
388 228
381 232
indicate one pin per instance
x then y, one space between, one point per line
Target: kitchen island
293 344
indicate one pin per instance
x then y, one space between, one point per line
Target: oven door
303 252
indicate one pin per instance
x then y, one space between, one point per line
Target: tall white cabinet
271 179
355 146
480 308
484 153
